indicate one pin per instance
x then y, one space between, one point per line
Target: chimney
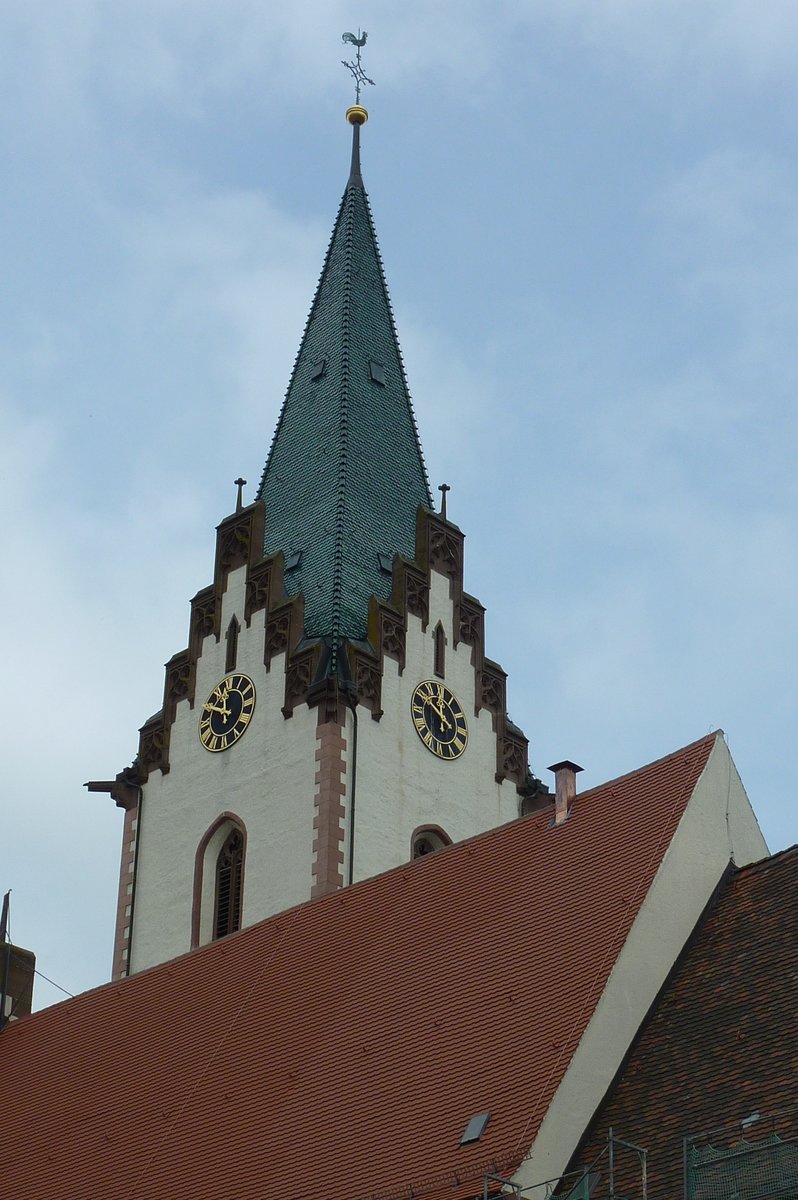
565 788
16 974
16 977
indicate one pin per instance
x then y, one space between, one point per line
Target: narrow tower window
229 871
232 644
440 650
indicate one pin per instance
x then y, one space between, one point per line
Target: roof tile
720 1041
345 474
341 1047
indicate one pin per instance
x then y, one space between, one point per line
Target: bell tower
334 713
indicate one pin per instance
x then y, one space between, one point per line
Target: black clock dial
439 720
227 712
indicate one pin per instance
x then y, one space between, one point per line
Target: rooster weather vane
358 74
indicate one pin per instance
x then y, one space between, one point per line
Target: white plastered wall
267 779
717 826
400 783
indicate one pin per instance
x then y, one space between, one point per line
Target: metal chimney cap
566 765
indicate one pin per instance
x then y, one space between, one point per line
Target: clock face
439 720
227 712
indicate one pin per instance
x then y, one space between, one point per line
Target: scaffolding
600 1179
756 1159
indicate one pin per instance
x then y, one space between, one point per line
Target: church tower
334 713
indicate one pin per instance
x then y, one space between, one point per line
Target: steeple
345 473
241 798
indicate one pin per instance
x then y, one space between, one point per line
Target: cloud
706 38
595 283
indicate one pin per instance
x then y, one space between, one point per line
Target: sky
588 213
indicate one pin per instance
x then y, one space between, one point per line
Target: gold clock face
439 720
227 712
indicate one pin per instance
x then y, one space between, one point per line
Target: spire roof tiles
345 474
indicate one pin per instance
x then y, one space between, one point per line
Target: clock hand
438 708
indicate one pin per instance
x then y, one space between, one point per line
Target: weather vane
358 74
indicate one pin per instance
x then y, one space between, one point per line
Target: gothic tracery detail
368 682
393 637
278 630
417 595
446 550
258 588
298 678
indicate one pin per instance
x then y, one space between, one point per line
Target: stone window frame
206 860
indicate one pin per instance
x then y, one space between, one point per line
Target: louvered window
229 875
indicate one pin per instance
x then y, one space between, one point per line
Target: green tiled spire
345 474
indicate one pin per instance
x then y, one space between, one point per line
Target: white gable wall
718 826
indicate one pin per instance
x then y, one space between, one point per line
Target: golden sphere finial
356 114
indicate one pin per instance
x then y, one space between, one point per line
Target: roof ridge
349 894
655 762
764 864
343 424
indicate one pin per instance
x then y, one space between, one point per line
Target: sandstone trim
329 809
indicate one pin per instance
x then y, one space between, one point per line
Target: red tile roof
721 1041
340 1048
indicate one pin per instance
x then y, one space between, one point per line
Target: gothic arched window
229 876
219 869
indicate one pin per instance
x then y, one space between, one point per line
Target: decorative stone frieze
446 549
205 619
368 682
513 756
326 696
239 542
154 745
278 634
393 636
492 690
416 593
471 628
259 588
299 675
439 547
179 683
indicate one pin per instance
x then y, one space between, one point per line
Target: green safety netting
745 1171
